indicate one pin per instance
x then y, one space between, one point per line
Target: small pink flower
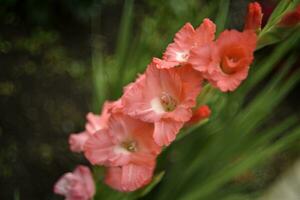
76 185
226 62
129 177
94 124
254 17
186 38
125 141
164 97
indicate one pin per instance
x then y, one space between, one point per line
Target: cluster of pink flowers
130 133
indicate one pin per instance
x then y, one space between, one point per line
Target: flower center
182 56
130 146
232 60
229 65
168 102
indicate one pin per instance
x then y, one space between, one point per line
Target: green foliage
222 15
210 160
272 33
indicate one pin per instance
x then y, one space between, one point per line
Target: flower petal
165 131
77 141
98 148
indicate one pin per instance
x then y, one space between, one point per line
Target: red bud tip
254 17
201 113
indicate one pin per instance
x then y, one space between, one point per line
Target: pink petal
192 83
98 148
62 185
203 57
165 131
77 141
94 123
181 113
144 136
87 179
137 104
163 64
205 33
136 176
113 178
128 177
178 51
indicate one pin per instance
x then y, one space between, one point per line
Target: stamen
168 102
182 56
130 146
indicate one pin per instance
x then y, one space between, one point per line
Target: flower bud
254 17
201 113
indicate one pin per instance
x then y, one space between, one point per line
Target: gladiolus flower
128 178
185 39
76 185
226 62
125 141
199 114
291 18
94 124
163 97
254 17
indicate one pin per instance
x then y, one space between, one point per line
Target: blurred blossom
291 18
76 185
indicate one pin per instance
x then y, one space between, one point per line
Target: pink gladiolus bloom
226 62
94 124
76 185
163 97
186 38
125 141
129 177
254 17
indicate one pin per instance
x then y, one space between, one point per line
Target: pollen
130 146
182 56
168 102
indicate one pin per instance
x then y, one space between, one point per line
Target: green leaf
222 15
282 6
156 179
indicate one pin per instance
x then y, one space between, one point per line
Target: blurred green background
62 59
